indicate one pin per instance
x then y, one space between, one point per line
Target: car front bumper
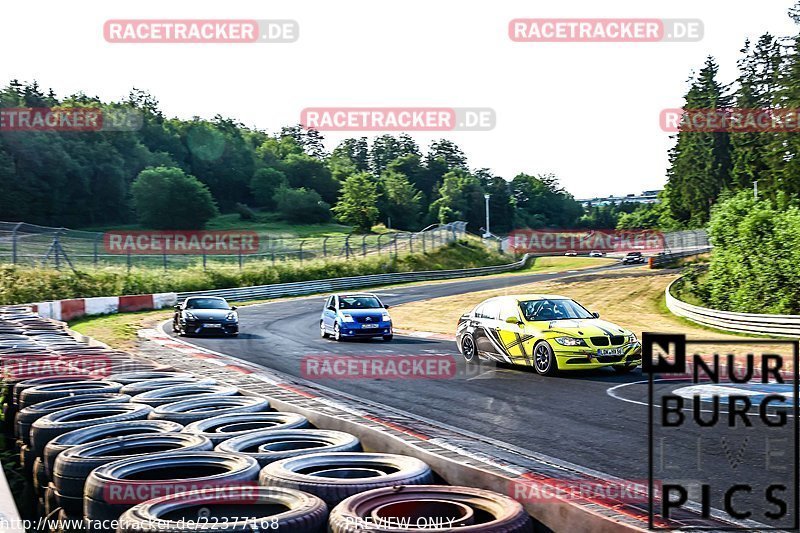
584 358
357 329
197 327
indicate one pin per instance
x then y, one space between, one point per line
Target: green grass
119 330
25 284
543 265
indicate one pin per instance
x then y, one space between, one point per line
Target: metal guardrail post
411 243
379 243
302 242
129 262
94 258
347 247
204 260
395 245
423 242
165 261
325 246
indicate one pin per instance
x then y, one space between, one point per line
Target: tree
168 198
460 198
542 203
302 170
264 185
301 206
402 201
357 203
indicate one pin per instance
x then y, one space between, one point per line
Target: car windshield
634 254
561 309
359 302
207 303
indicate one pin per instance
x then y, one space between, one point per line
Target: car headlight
347 318
386 318
231 316
189 315
570 341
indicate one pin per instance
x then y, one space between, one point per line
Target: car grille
610 358
614 340
369 319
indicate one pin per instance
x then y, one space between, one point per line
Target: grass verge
119 331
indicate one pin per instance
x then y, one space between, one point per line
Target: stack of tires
150 449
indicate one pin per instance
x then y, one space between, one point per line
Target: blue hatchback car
348 316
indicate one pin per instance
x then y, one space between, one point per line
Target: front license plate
611 351
212 325
367 326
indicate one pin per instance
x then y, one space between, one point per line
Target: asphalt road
597 419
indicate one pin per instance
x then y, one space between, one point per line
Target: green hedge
24 285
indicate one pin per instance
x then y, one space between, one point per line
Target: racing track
572 417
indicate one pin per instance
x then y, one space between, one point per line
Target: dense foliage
79 179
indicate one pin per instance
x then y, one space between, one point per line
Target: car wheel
544 361
388 338
337 335
322 332
468 349
624 369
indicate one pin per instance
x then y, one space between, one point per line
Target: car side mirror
386 306
177 307
513 320
234 308
331 308
596 314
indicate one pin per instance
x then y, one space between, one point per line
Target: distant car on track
355 315
632 258
596 253
205 314
571 253
548 332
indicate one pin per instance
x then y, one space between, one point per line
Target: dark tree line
82 179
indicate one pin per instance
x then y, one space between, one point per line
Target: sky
586 112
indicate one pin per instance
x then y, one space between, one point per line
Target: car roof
526 297
205 298
353 294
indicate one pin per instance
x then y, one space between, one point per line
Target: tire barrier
162 383
103 431
115 487
30 414
51 426
188 411
407 509
224 427
127 378
228 509
273 445
177 393
132 445
336 476
73 466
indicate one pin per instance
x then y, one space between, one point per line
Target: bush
245 213
301 206
167 198
25 285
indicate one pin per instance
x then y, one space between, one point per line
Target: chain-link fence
32 245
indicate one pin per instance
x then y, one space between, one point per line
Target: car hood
209 314
363 312
590 327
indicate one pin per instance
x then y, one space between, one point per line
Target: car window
329 303
491 310
554 309
479 311
509 309
359 302
206 303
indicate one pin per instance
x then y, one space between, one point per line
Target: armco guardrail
667 258
300 288
782 325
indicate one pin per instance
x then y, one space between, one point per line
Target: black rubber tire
304 512
178 393
51 426
40 480
496 513
50 500
388 338
22 386
100 432
126 378
188 411
625 369
43 393
289 443
162 383
73 465
108 491
465 349
322 333
337 333
550 369
398 469
222 428
68 522
26 460
30 414
73 507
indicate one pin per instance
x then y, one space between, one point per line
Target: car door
487 341
512 335
329 314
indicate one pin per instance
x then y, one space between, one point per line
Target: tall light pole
488 233
755 189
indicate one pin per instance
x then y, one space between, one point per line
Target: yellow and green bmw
548 332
